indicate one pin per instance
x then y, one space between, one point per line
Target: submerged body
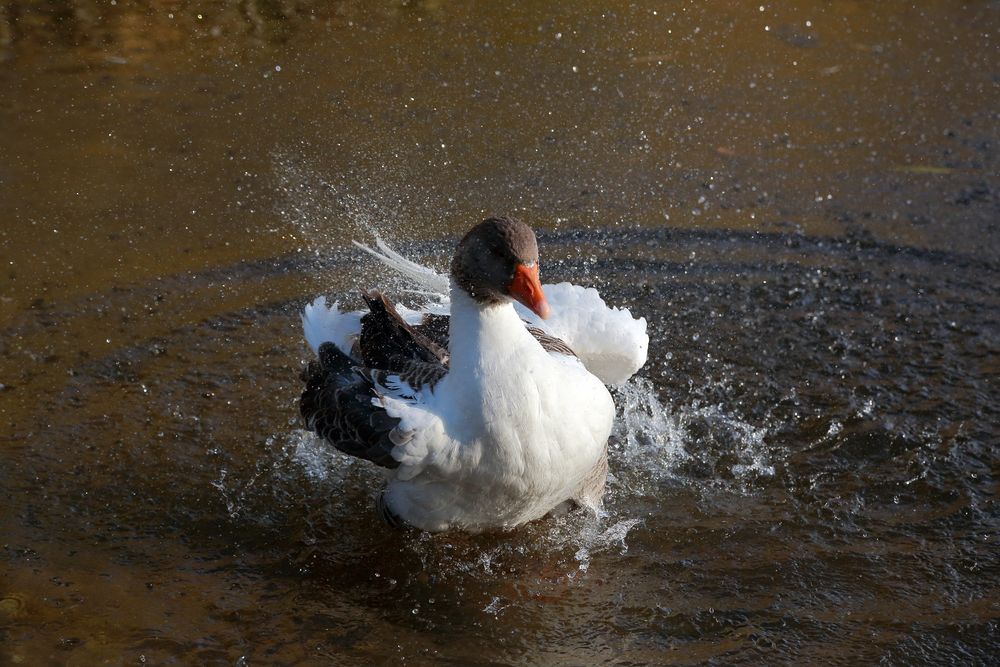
499 429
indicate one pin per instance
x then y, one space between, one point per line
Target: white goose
482 422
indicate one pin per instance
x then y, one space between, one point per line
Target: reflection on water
800 199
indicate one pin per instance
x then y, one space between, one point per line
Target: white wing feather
423 276
322 324
421 436
611 343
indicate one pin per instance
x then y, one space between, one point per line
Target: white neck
485 337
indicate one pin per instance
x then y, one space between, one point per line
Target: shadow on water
801 200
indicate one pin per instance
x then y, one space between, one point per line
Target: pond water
801 198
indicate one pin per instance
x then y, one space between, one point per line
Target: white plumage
510 430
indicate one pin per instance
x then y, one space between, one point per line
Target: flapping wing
388 342
373 409
611 343
341 407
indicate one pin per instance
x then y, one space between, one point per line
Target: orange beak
526 288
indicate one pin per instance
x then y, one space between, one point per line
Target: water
805 214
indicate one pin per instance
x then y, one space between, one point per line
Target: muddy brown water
802 200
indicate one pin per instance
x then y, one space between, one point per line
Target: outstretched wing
611 343
389 343
360 409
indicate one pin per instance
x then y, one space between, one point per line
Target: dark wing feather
388 342
391 347
435 327
337 405
415 374
337 402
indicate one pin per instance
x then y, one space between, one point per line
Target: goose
482 417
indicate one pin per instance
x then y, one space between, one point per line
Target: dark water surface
802 200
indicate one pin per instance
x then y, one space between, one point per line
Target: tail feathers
424 277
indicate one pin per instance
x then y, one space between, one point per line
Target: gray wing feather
338 405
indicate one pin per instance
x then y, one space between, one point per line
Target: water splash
694 446
286 463
594 541
324 211
648 438
317 460
328 212
704 446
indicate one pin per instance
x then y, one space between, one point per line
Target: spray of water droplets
656 444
